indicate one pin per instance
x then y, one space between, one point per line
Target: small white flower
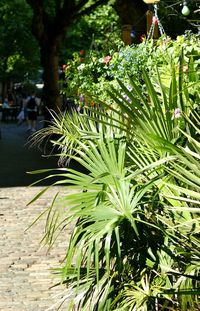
177 113
81 67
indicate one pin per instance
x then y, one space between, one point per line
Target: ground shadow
17 158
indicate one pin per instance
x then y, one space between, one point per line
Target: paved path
25 278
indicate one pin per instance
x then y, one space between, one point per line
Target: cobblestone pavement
25 278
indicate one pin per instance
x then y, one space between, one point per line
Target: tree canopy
46 32
17 44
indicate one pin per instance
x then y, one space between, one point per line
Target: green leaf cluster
99 30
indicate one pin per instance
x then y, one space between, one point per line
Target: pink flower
107 59
81 98
177 113
155 20
64 66
142 37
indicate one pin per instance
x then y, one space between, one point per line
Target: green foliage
136 203
103 24
17 44
92 74
100 30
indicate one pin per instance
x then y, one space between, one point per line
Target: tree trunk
51 94
49 23
5 79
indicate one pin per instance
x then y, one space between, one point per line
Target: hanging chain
155 21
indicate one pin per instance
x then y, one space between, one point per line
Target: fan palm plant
136 206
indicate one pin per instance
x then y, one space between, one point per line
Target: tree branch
70 12
46 27
34 4
58 5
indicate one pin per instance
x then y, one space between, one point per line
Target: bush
90 76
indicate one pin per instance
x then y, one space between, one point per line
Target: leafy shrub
93 74
135 243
